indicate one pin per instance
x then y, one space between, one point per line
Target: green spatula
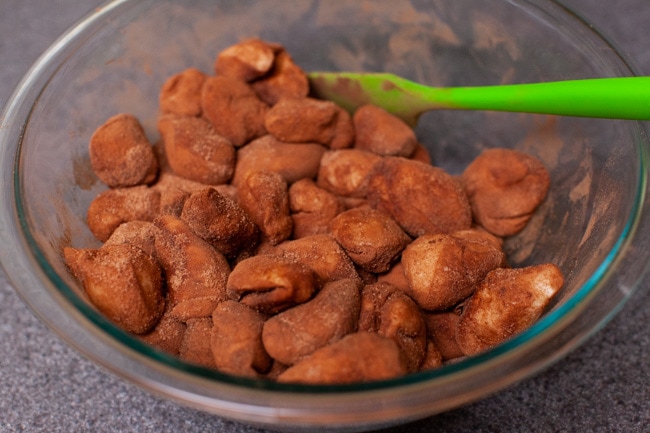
612 98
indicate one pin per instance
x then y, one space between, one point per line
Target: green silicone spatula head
613 98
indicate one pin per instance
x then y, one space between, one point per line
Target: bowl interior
117 61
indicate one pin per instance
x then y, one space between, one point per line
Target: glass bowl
594 224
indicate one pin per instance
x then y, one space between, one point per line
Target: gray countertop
45 386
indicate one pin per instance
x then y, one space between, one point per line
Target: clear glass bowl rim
17 112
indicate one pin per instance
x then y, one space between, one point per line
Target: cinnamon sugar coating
168 180
421 198
352 202
195 346
507 302
382 133
293 161
298 332
322 254
372 239
113 207
344 131
123 282
233 109
271 284
141 234
300 120
120 153
196 273
432 357
357 357
346 172
505 187
395 276
172 201
174 190
442 270
441 331
167 335
195 151
181 93
287 241
236 340
220 221
390 312
277 368
264 196
421 154
312 207
246 60
479 235
285 80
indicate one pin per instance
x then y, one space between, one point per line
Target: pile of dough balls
273 235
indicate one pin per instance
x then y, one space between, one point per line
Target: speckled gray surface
45 386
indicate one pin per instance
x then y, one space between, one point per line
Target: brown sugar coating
507 302
220 221
298 332
320 253
421 198
233 109
123 282
357 357
195 151
346 172
195 347
113 207
387 310
247 60
196 273
181 93
372 239
137 233
294 161
271 284
505 187
312 207
120 153
441 331
382 133
284 80
236 340
264 196
442 270
300 120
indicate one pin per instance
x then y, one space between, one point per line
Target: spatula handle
613 98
